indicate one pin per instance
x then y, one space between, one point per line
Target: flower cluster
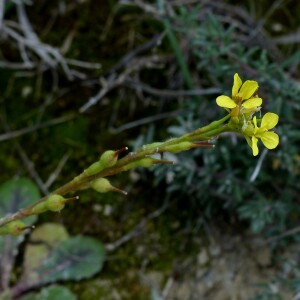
241 106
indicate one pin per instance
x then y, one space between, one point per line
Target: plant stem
82 181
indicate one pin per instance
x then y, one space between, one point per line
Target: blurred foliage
14 194
50 255
53 292
221 179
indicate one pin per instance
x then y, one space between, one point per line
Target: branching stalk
109 165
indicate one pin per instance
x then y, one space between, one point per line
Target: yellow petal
237 83
254 146
269 120
253 102
248 89
225 101
270 139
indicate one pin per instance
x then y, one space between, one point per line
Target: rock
203 257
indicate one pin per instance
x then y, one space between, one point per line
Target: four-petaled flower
243 94
269 138
244 102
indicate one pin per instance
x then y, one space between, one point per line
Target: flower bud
55 203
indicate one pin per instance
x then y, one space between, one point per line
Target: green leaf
73 259
14 194
44 238
6 295
53 292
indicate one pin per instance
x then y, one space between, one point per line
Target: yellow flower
269 138
242 95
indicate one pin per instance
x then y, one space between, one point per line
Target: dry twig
137 229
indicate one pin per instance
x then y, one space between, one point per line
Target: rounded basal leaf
73 259
44 238
54 292
16 194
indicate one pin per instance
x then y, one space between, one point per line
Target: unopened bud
102 185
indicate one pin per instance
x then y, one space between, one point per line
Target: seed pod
151 146
143 162
39 208
13 228
107 159
102 185
182 146
94 168
55 202
110 157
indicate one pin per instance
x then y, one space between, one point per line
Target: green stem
209 134
82 182
201 131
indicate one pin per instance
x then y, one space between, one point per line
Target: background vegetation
81 77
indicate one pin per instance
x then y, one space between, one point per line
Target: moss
110 288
